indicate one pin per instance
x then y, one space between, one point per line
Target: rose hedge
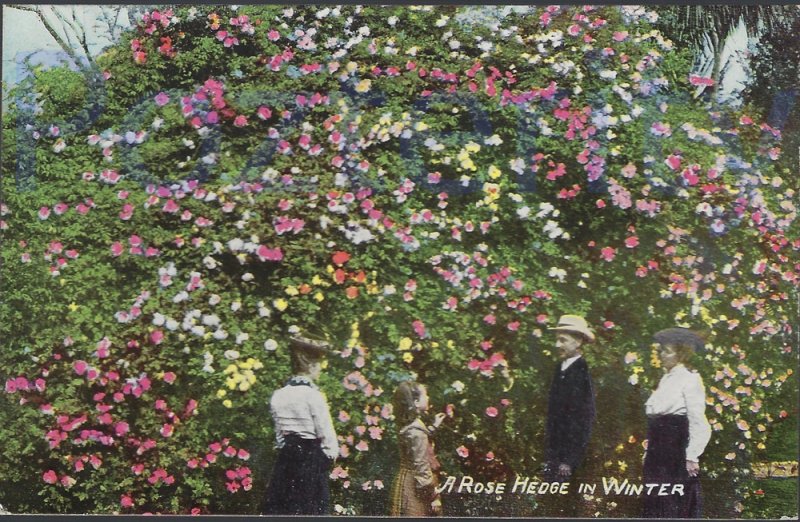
433 192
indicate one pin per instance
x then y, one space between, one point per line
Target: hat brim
308 343
588 335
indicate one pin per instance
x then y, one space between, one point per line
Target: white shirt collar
566 363
677 369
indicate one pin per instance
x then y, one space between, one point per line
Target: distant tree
70 31
775 82
706 28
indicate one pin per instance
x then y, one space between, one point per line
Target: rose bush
431 191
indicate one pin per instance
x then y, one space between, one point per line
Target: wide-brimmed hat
574 324
310 343
680 336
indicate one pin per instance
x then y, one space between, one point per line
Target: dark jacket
570 415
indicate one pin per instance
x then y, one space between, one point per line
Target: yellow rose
227 403
405 344
364 85
407 357
280 304
494 172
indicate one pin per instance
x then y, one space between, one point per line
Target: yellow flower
405 344
316 280
244 386
622 465
221 393
408 357
468 164
292 291
364 85
319 297
231 383
421 126
230 369
72 306
280 304
472 147
227 403
351 66
494 172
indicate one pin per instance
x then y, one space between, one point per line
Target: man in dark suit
571 410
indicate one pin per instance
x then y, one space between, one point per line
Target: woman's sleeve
423 475
323 425
699 430
278 431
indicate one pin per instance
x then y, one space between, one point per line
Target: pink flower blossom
608 253
462 452
156 337
491 411
269 254
419 328
125 501
44 213
620 36
169 377
162 99
80 367
50 476
264 112
121 428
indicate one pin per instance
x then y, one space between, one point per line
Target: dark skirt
665 463
299 483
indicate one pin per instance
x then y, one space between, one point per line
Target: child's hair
404 407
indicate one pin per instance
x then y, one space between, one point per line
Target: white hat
575 324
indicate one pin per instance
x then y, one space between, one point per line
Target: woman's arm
423 474
699 429
323 424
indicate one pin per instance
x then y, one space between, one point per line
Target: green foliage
433 202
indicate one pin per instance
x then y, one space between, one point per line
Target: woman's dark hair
403 402
684 341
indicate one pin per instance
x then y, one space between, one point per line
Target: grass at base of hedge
772 498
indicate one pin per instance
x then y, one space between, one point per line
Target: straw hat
574 324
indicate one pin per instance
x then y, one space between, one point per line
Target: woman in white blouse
305 436
677 430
